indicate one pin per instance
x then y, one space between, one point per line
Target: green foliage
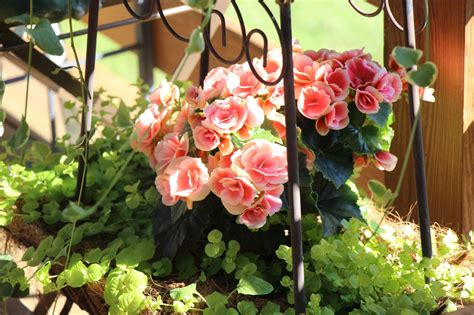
407 57
384 274
251 285
424 76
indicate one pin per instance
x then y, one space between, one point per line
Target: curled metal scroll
384 5
155 7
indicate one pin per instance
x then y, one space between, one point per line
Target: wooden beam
448 144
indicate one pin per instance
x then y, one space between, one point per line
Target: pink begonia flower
268 203
181 120
305 70
264 162
165 94
225 116
320 55
350 54
195 97
363 72
367 101
278 122
147 128
205 139
310 156
313 102
385 161
185 178
338 116
226 146
215 83
339 82
255 115
360 161
390 86
272 200
277 97
236 192
274 65
241 82
218 160
171 147
255 216
321 126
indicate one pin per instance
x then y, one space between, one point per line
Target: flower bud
196 42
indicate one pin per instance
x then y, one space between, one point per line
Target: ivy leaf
424 76
247 308
406 56
270 309
75 212
123 116
20 136
95 272
252 285
184 294
381 117
131 302
335 204
44 36
336 164
380 194
76 276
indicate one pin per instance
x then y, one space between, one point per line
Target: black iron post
86 124
204 61
292 155
418 152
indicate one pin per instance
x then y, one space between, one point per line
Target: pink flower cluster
203 141
325 81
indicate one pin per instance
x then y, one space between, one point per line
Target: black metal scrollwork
384 5
155 7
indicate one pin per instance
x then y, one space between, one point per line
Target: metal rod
52 117
293 168
86 123
107 26
418 152
204 65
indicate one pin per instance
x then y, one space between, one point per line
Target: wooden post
447 124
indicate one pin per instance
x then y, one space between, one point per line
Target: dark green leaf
252 285
178 210
424 76
335 204
21 19
363 140
44 36
406 56
185 265
336 164
381 117
20 136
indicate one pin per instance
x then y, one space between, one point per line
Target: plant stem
115 180
406 159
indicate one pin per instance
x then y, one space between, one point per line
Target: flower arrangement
227 137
